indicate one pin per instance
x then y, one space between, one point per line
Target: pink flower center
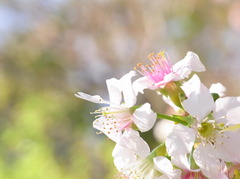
193 175
158 69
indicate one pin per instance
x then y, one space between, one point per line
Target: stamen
113 119
160 66
210 132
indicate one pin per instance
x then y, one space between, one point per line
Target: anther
151 55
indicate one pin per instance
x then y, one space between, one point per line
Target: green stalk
163 116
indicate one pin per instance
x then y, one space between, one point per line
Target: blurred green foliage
45 130
50 50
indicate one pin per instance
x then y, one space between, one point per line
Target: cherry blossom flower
161 71
120 116
133 159
209 137
203 141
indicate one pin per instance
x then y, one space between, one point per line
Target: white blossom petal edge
199 102
164 165
144 118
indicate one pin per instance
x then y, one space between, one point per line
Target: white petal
167 78
131 140
114 90
190 63
94 99
226 103
182 161
99 124
228 145
124 85
227 110
205 157
170 103
192 84
164 165
144 118
127 89
142 83
232 116
199 102
122 157
180 141
162 177
171 77
217 88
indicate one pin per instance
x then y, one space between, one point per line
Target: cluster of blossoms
205 140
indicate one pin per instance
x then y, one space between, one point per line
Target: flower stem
163 116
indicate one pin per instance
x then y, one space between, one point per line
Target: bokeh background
51 49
